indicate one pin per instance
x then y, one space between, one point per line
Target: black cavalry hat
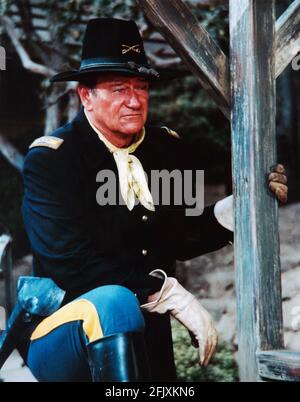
111 45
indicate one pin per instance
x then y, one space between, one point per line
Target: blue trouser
57 350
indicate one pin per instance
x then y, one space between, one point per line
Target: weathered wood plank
192 42
280 365
257 261
287 37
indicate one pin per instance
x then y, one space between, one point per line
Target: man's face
118 104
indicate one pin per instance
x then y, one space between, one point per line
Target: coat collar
94 151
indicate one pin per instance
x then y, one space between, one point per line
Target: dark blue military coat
82 245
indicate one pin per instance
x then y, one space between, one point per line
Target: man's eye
119 90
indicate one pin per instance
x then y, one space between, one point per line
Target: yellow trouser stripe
79 310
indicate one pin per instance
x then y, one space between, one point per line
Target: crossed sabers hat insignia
134 48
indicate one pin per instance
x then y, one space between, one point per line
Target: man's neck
119 140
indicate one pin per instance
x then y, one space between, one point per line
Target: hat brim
78 75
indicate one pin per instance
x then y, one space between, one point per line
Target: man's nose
133 100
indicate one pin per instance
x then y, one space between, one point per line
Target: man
116 262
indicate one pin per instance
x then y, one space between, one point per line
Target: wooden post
252 31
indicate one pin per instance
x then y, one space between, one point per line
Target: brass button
144 218
144 252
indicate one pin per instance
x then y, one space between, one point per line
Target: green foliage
221 369
184 106
127 9
64 18
215 20
66 15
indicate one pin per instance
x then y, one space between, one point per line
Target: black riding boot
119 358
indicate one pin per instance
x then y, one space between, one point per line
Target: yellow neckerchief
132 176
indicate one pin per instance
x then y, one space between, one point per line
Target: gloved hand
277 183
183 306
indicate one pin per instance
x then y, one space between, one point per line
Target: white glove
223 211
183 306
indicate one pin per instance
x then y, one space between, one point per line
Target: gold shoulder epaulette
47 141
171 132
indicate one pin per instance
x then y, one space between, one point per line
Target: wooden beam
280 365
287 37
254 152
194 45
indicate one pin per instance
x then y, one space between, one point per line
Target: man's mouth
132 115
